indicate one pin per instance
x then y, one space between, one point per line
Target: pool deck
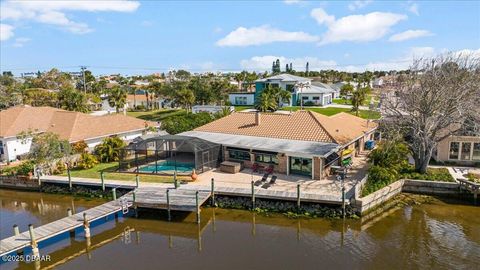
327 190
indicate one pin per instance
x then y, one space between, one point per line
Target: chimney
257 118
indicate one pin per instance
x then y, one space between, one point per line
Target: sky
143 37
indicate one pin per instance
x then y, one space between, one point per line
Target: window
466 148
316 98
305 98
454 150
290 87
476 151
266 158
301 166
241 100
273 85
238 154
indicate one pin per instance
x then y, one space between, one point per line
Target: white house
299 87
245 98
71 126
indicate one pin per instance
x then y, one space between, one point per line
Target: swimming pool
182 167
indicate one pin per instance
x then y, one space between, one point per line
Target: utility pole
84 81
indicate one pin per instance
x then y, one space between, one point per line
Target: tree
47 147
346 89
434 100
39 97
117 98
186 98
72 100
358 98
109 149
185 122
271 97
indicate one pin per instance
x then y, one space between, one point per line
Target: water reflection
435 236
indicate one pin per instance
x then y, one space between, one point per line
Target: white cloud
359 4
19 42
53 12
292 2
6 31
262 63
413 8
262 35
358 28
410 34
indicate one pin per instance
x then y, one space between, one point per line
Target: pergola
152 155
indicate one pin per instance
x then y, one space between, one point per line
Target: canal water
437 235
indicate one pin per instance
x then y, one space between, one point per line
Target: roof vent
257 118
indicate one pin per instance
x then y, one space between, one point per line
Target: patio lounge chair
271 183
261 181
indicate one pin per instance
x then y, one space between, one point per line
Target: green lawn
109 170
157 115
241 108
343 101
332 111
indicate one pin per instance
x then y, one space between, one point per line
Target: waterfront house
242 98
71 126
301 142
462 150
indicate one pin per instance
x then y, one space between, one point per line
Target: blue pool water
168 166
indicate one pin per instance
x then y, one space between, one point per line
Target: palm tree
185 98
117 98
358 98
266 102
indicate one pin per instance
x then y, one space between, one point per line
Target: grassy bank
432 174
366 114
109 170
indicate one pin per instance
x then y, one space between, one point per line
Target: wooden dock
69 223
470 186
176 200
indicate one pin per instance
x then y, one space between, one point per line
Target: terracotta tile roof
72 126
345 127
138 97
300 125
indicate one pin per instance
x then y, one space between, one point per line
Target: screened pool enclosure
168 154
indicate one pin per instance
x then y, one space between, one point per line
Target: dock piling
137 180
298 197
33 241
168 205
253 195
69 212
16 231
114 193
69 177
86 225
102 179
343 202
213 192
198 207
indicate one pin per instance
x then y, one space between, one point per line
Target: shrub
181 123
79 147
432 174
109 149
87 161
309 103
379 177
60 167
24 168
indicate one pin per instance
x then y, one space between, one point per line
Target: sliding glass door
301 166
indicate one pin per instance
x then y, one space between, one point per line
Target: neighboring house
378 82
463 150
302 142
242 99
71 126
210 108
299 87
